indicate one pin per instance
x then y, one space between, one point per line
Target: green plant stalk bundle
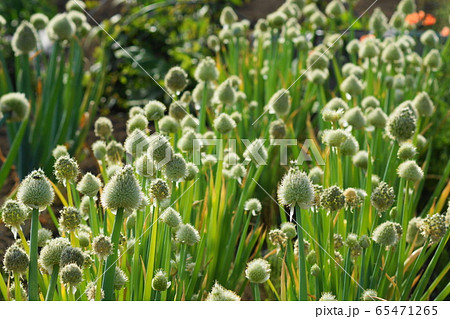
214 202
58 112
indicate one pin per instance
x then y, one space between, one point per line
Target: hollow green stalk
33 290
181 271
17 288
69 194
98 291
23 240
403 219
52 284
303 295
152 255
425 279
202 116
406 288
93 218
214 229
255 291
331 252
136 258
110 268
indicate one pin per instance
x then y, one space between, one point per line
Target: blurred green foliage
157 36
441 147
440 9
15 11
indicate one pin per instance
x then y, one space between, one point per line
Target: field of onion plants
293 170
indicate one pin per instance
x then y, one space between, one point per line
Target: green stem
406 289
255 290
301 259
181 271
93 218
98 290
103 171
69 194
202 117
403 215
392 158
369 78
23 240
136 257
331 252
70 293
375 269
110 269
152 255
52 284
17 290
425 278
33 291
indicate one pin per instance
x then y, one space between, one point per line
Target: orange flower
429 20
366 36
421 14
412 18
445 32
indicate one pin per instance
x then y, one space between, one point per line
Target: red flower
421 14
429 20
445 32
413 18
366 36
416 17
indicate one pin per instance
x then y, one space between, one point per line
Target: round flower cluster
410 171
102 246
122 191
171 217
401 124
434 227
160 282
219 293
413 232
187 234
66 169
289 230
332 198
176 168
296 189
14 106
386 234
176 79
277 237
50 255
280 102
13 214
15 260
24 39
70 219
253 205
382 197
72 255
258 271
71 275
89 185
61 27
36 191
159 189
